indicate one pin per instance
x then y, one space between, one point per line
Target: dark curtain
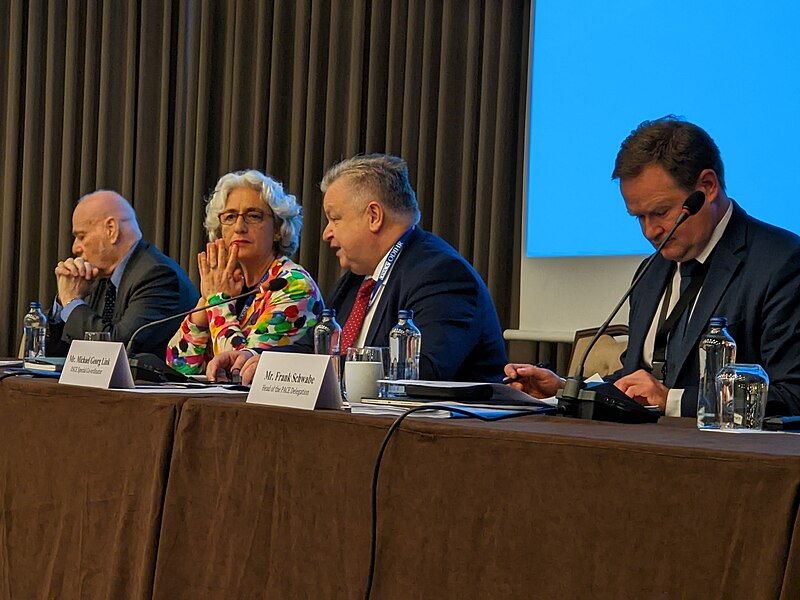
158 99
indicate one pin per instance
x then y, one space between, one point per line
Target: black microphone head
276 284
694 202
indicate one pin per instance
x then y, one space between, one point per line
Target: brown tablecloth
275 503
82 478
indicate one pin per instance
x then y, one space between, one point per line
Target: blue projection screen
600 68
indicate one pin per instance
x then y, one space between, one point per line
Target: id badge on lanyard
388 264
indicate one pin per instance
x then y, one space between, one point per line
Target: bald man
116 282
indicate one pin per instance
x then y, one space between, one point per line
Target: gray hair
381 174
284 207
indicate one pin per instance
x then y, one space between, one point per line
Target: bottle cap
718 322
405 314
36 305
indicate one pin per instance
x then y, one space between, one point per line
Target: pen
540 365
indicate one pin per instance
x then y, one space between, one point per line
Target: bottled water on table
404 345
327 338
34 327
717 349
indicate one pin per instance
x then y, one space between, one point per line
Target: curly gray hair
285 207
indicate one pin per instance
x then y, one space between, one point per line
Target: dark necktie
688 270
108 304
356 318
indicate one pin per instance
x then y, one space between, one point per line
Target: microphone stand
604 401
149 367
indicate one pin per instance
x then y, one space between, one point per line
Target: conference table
113 494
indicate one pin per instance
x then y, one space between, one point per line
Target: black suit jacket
153 286
754 281
461 337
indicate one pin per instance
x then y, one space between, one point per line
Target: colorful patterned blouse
273 319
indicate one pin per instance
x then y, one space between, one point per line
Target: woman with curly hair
253 227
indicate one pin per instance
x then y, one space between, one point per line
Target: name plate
305 381
97 364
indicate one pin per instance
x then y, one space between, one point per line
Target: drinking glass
742 393
97 336
362 369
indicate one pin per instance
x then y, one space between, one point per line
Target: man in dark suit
116 282
392 265
752 276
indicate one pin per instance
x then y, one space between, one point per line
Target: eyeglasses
251 217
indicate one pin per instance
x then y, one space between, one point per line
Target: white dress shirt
674 396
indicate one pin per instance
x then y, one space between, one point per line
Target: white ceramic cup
361 379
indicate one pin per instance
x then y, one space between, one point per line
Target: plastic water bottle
717 349
328 336
34 327
404 344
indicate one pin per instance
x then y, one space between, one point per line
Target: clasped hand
73 279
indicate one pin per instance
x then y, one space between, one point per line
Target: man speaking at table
116 282
751 276
392 264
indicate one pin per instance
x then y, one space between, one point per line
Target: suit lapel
383 318
652 290
725 262
344 296
128 275
97 295
381 310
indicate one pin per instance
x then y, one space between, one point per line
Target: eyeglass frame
236 215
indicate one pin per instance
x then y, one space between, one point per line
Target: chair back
604 358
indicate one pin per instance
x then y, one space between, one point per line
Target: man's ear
708 182
375 216
111 227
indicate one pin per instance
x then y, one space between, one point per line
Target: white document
306 381
183 390
506 392
97 364
357 408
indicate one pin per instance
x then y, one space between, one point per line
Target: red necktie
356 318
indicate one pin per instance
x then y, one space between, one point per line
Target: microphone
579 400
149 367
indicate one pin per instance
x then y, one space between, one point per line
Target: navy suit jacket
153 286
461 337
754 281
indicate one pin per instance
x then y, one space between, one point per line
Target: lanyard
251 298
666 323
388 264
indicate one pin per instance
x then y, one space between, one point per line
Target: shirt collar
716 235
377 272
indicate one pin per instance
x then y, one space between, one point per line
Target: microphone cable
539 410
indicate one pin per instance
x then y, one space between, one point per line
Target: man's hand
644 389
73 279
536 381
227 365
